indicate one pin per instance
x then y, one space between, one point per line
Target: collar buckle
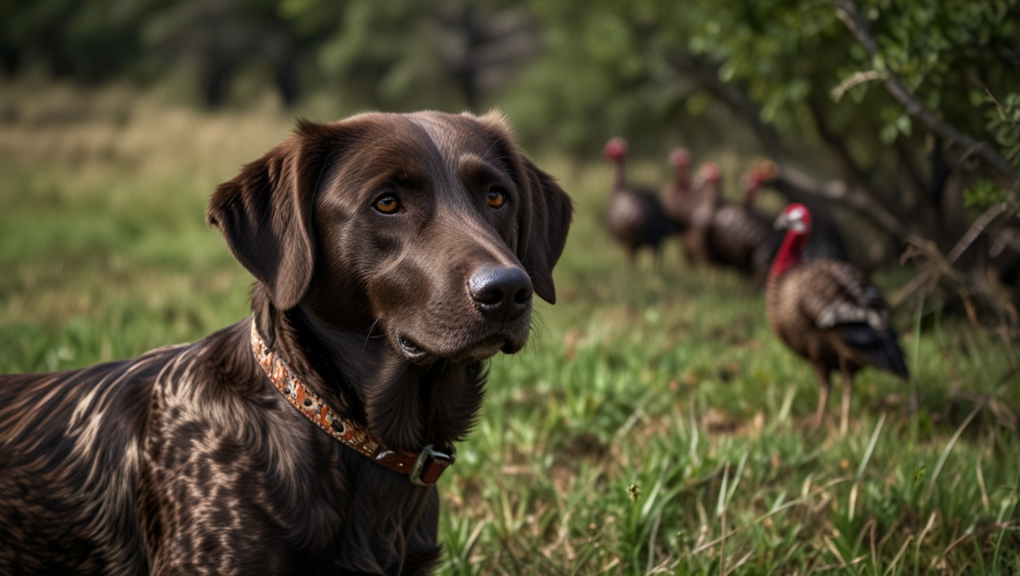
429 464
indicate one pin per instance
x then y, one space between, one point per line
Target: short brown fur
186 460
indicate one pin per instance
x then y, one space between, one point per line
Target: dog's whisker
370 329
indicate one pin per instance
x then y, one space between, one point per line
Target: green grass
653 423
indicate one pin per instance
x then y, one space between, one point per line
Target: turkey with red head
828 312
679 200
635 217
694 206
827 241
740 236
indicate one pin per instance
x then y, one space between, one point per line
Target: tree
219 36
91 41
877 106
404 54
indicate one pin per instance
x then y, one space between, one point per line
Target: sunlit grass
653 423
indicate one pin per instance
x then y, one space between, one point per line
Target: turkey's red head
767 171
709 172
752 181
681 158
796 217
615 149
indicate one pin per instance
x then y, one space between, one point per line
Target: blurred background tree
401 55
904 112
88 41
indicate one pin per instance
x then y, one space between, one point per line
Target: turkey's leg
823 393
694 247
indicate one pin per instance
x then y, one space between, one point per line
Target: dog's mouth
412 351
476 351
512 346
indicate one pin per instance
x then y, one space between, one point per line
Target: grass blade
871 447
949 448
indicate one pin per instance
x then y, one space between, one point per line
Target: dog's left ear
543 222
265 212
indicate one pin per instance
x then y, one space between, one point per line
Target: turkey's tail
880 350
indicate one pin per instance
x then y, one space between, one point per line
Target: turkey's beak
782 222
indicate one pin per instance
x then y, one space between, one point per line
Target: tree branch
707 76
847 11
976 229
910 172
856 174
794 182
1010 55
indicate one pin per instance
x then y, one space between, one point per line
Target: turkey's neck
749 197
710 191
618 176
789 253
683 178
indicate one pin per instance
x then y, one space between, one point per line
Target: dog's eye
387 204
496 198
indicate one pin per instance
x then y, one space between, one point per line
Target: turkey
741 237
829 312
692 207
679 200
636 217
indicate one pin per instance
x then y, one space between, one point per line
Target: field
652 424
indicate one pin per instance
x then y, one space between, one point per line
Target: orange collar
422 468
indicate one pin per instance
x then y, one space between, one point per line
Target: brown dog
393 253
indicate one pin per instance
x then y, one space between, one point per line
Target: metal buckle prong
429 452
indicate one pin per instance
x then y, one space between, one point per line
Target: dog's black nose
501 293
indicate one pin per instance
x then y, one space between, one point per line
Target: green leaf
983 195
888 134
903 124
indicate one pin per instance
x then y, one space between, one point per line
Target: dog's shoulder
212 388
69 450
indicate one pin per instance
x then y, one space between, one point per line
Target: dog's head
432 227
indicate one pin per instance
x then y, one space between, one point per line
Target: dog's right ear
546 211
544 225
265 212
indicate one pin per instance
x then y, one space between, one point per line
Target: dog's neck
362 377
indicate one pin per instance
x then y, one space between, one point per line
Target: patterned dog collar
422 468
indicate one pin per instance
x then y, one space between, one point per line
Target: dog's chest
237 480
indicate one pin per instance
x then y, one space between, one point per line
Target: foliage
91 41
407 55
784 56
386 53
939 48
647 69
1004 125
983 195
398 55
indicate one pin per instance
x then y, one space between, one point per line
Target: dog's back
69 455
